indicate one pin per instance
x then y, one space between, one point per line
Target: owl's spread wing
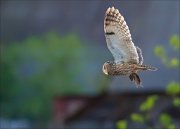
118 37
139 55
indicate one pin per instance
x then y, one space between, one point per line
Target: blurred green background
41 67
55 49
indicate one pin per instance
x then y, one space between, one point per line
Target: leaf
137 117
159 51
122 124
149 103
176 102
165 119
175 42
174 62
173 88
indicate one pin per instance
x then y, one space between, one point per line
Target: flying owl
128 59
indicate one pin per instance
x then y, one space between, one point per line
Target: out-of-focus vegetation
37 69
163 56
144 117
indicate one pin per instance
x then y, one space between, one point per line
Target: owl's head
107 67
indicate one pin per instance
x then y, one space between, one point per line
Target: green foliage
160 52
137 117
149 103
176 102
38 68
174 62
173 88
175 42
165 119
171 126
122 124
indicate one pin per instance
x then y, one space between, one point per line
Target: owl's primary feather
139 55
118 38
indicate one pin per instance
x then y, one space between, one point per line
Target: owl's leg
131 77
134 77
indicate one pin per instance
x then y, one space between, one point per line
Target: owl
128 59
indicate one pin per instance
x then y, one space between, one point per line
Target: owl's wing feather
140 55
118 37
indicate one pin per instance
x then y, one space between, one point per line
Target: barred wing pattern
118 38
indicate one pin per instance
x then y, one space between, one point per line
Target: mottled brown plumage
111 68
128 58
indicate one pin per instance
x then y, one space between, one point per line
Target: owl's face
107 67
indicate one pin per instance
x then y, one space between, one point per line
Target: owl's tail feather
145 67
134 77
